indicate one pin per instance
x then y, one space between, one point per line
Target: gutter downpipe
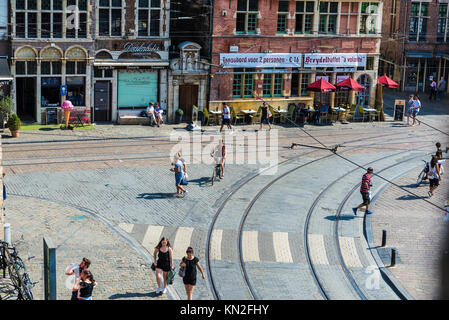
211 17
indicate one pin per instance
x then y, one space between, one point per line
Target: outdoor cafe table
339 111
280 112
216 114
247 114
369 111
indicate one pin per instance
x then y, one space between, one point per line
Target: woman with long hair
86 285
434 175
164 263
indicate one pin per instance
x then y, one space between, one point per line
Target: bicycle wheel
420 177
26 287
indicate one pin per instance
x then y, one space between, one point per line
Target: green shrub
14 122
179 112
6 107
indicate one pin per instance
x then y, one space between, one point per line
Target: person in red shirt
364 190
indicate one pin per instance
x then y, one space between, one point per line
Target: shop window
304 16
102 73
80 31
110 17
368 18
363 98
341 95
243 84
282 17
149 18
247 11
443 23
273 85
26 67
76 67
418 21
305 81
76 90
50 67
369 64
50 91
328 17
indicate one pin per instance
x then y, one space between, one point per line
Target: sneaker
430 194
158 290
185 193
164 291
355 211
369 212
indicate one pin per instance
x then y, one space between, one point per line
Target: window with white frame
51 17
368 17
328 17
110 17
243 83
282 17
149 18
443 23
273 84
72 29
418 21
304 16
26 18
247 11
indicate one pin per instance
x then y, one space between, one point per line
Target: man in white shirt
416 106
226 117
433 90
150 113
76 269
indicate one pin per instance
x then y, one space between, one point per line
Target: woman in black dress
190 263
164 262
86 285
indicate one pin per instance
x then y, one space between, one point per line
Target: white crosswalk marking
215 244
250 246
182 241
349 252
282 247
127 227
317 249
152 237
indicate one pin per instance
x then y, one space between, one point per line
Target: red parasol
387 82
321 86
350 84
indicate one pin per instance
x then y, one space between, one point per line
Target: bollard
7 233
393 257
49 269
384 238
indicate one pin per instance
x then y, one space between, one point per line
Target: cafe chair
237 116
361 113
323 114
274 114
254 118
291 113
205 116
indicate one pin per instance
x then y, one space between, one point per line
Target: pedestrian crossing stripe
282 244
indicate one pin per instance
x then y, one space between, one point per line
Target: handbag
182 270
171 276
153 267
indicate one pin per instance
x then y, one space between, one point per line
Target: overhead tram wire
334 150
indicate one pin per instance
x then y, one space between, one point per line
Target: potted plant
179 114
5 109
14 125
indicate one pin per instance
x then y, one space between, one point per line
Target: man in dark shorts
265 117
364 190
226 117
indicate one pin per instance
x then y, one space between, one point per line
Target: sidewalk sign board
399 110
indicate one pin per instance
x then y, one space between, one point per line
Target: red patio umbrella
350 84
321 85
387 82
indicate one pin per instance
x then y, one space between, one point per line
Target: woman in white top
434 175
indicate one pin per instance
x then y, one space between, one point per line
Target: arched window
363 98
76 67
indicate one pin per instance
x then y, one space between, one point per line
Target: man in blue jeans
364 190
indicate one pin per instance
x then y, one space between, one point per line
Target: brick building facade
415 45
310 28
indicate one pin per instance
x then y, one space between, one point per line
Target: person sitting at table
150 113
158 114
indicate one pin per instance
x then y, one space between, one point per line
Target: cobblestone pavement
123 188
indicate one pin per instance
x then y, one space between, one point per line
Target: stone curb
386 274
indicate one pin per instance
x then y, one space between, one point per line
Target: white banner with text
324 60
260 60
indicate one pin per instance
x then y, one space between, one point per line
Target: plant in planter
14 125
5 110
179 114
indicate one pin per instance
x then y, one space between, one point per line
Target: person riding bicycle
219 155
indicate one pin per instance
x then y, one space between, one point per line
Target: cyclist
219 155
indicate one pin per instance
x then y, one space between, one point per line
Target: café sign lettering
140 49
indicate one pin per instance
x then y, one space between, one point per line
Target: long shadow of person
157 195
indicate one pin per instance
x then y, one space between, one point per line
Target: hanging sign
260 60
341 60
63 90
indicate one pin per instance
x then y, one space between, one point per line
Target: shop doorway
363 98
188 97
102 103
26 99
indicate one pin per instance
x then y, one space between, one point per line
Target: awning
419 54
115 63
5 75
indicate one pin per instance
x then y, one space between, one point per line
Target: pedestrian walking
438 146
226 117
77 269
440 161
86 285
179 174
190 263
433 90
409 108
266 115
434 175
441 88
219 155
365 191
184 168
164 263
416 106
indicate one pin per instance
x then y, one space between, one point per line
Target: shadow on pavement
158 195
201 181
345 217
411 197
133 295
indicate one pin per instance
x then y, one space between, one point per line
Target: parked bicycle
423 174
216 173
